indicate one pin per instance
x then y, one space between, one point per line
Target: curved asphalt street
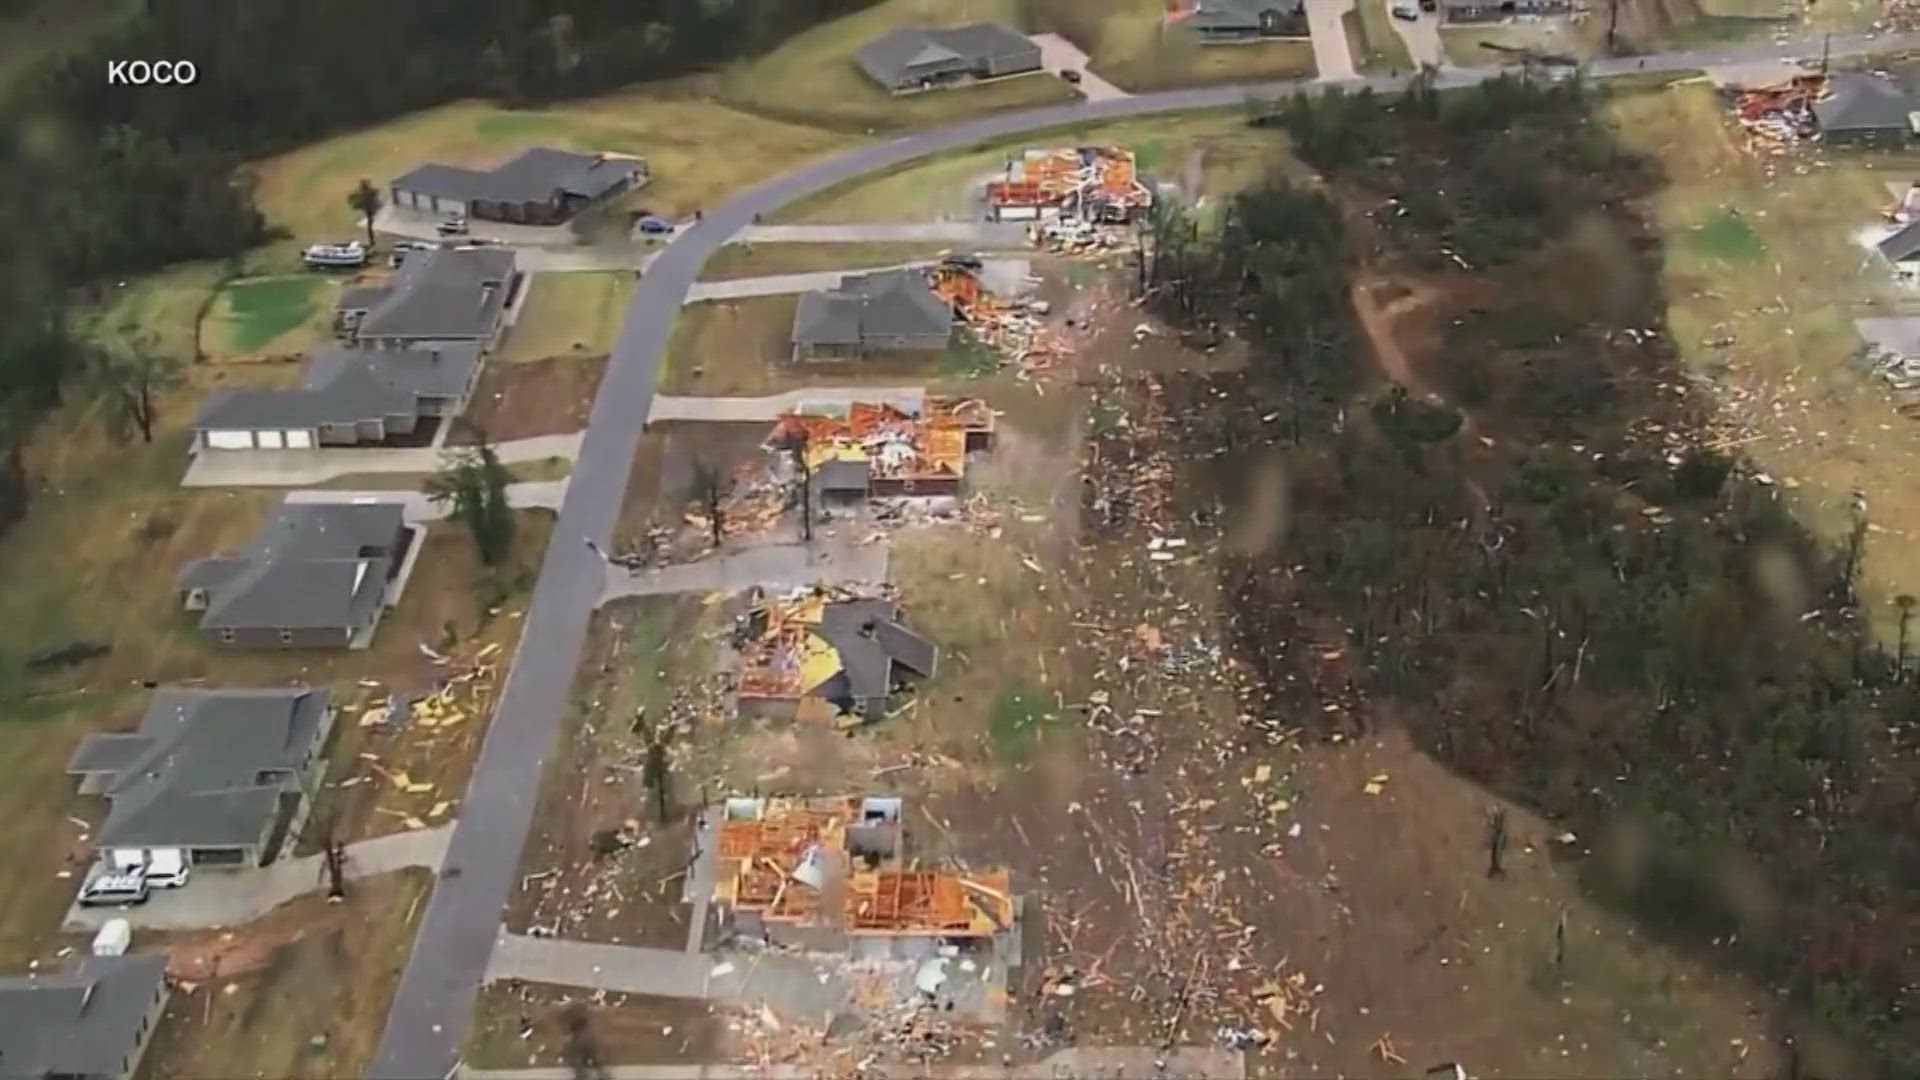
433 1005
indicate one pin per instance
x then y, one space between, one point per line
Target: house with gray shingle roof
318 575
886 311
446 296
219 775
90 1022
350 396
923 58
879 656
1486 11
1227 22
542 186
1857 107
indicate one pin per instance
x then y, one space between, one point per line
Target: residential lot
811 79
572 313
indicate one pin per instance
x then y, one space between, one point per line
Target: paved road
229 897
433 1004
979 233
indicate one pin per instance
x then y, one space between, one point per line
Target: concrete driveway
433 1004
770 566
298 468
765 410
982 234
411 224
1003 277
230 897
1422 37
418 509
1057 54
1332 59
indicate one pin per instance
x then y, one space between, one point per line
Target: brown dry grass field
1763 277
308 995
575 313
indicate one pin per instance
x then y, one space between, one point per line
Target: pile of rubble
1777 118
1014 329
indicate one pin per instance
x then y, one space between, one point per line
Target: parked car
1406 9
962 260
655 226
1070 75
164 868
1429 5
349 255
453 225
111 888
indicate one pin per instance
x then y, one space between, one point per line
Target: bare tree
1496 842
797 446
709 489
365 198
1905 602
129 374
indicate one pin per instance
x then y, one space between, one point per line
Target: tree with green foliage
365 200
474 483
129 374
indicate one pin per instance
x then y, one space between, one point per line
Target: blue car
655 226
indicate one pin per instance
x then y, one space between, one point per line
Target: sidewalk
229 897
1005 277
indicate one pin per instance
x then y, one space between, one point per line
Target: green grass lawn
1727 235
697 149
165 306
566 314
251 315
44 31
811 78
1132 47
1375 44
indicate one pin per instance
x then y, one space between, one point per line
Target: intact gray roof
313 566
871 305
344 385
1860 103
192 775
443 293
872 643
906 54
534 176
82 1022
1237 14
1903 245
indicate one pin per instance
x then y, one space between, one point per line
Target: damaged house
1091 183
882 450
831 874
817 653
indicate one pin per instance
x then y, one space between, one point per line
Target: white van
163 868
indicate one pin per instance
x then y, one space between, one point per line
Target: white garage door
230 440
269 440
299 440
1018 213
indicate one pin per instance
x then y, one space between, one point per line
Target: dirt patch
553 396
524 1025
302 992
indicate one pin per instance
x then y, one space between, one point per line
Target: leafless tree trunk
710 491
